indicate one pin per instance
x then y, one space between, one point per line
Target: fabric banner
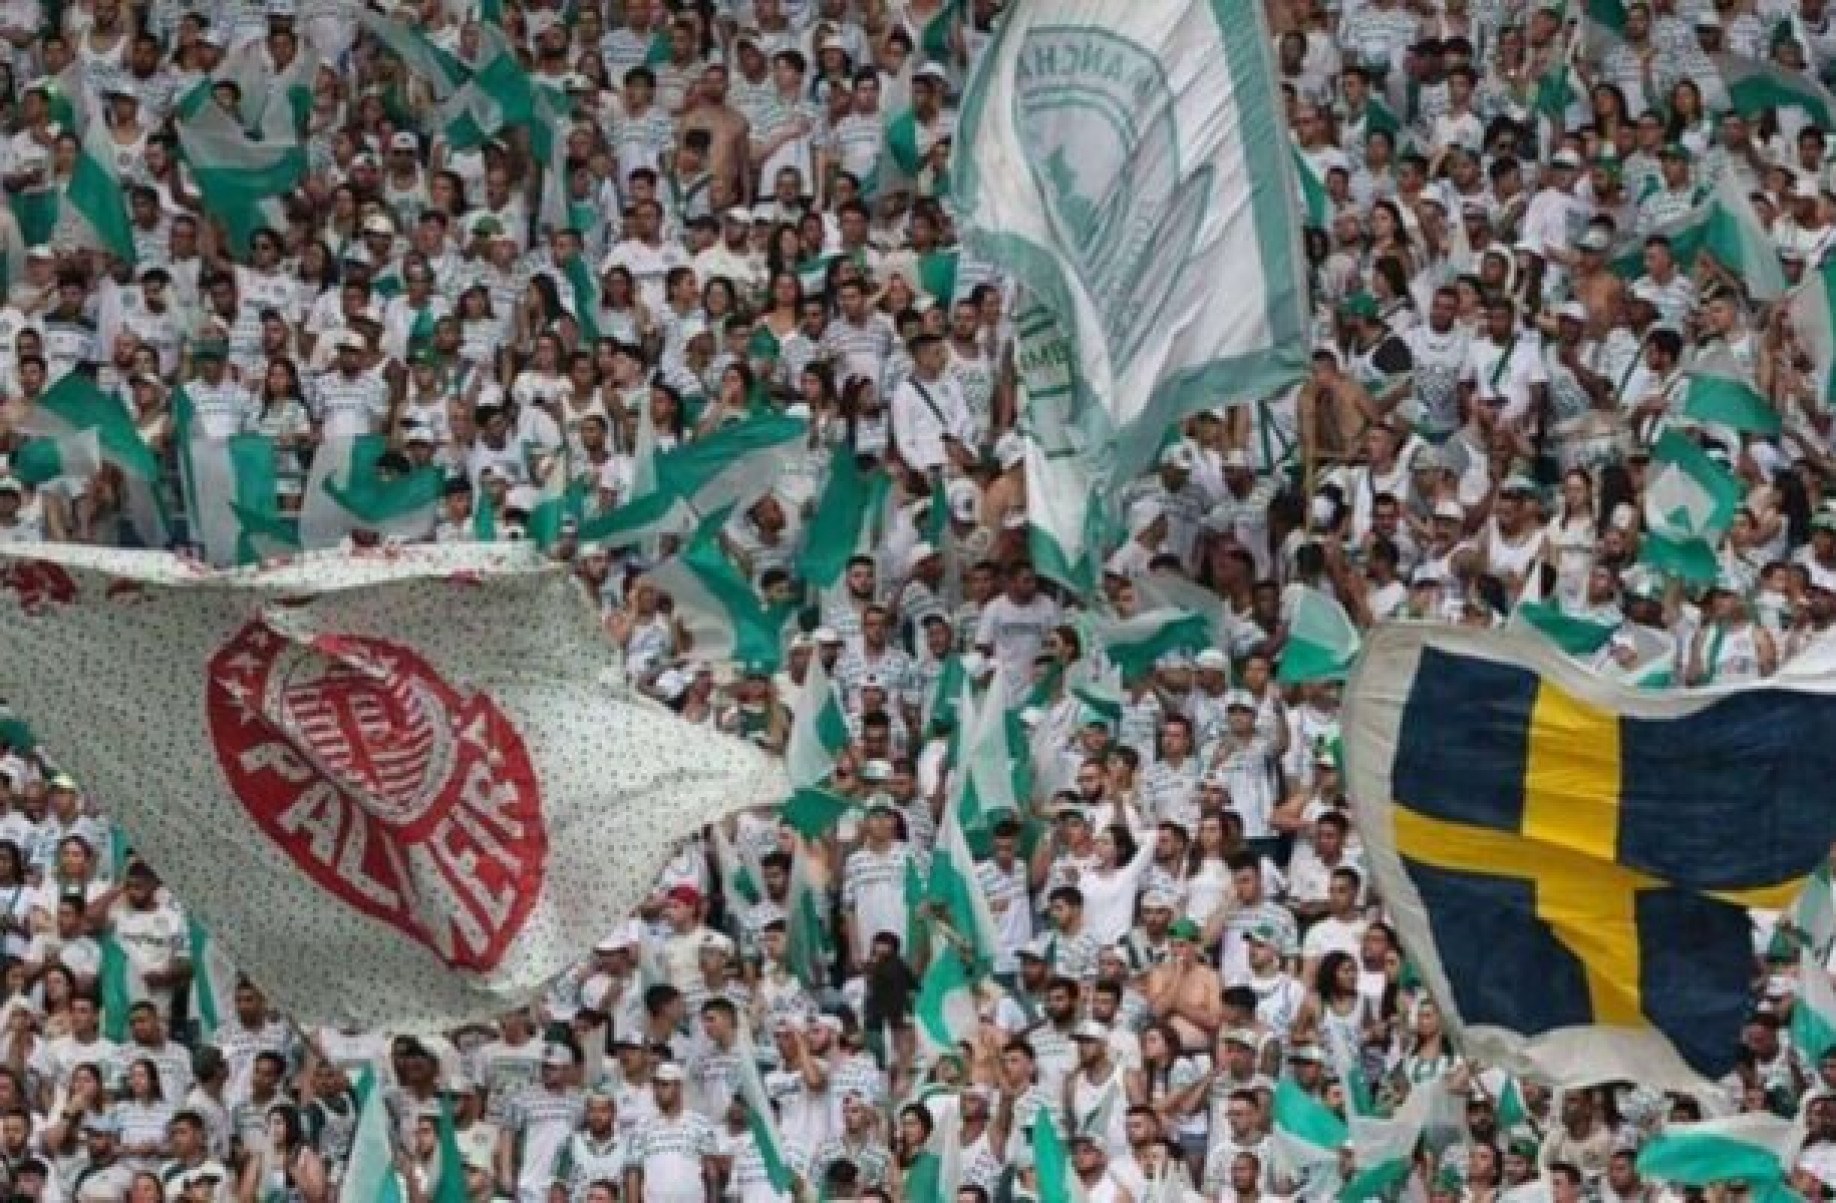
415 764
1555 847
1121 160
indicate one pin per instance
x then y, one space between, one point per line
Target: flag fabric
1755 1147
241 179
1754 86
723 615
1307 1134
1064 430
760 1120
733 466
955 893
1052 1162
369 1175
1133 645
814 813
1690 501
1316 202
232 492
94 192
818 730
1723 225
1720 397
992 760
213 981
1813 915
1813 1013
76 405
1812 306
1528 820
40 460
1383 1149
809 948
449 1165
347 490
945 1008
1119 160
1576 636
558 499
120 986
1322 640
843 519
386 762
443 71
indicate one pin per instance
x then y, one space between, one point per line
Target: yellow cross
1568 851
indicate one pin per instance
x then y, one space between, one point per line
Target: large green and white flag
1383 1149
1134 644
1756 1148
1120 160
1066 433
241 179
77 454
1755 86
213 981
232 493
1723 225
1322 640
1813 915
75 411
956 893
1690 501
722 614
992 758
1307 1134
733 466
819 729
443 71
843 522
95 194
370 1175
1719 395
945 1010
349 490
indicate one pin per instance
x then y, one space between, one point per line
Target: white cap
1447 507
404 141
931 71
1090 1029
1211 658
669 1071
827 635
1239 699
1179 455
1573 310
1009 449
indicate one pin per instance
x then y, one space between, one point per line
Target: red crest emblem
407 799
38 584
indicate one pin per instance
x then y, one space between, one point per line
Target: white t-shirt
1015 633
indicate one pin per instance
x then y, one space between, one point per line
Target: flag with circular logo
401 790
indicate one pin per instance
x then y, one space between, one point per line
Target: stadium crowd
1514 299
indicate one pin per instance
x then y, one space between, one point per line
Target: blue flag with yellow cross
1572 864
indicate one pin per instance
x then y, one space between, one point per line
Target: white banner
1129 165
402 790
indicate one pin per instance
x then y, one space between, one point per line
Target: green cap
1823 520
1185 929
423 354
210 348
1359 304
1675 150
487 227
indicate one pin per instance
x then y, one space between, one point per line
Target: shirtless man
727 132
1595 283
1184 991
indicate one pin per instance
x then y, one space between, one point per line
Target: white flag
1123 160
421 766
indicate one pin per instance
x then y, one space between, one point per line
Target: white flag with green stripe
353 486
819 730
241 179
1813 1012
1307 1134
1120 160
232 493
213 982
76 406
1756 1148
77 454
1134 644
1322 640
761 1122
369 1174
945 1010
95 194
